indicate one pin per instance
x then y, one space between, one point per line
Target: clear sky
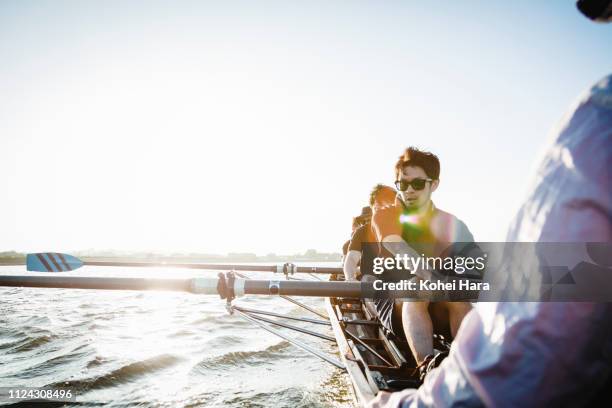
232 126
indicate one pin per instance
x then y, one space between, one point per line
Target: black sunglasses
417 184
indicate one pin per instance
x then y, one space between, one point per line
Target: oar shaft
317 269
194 285
12 263
218 267
302 288
79 282
224 267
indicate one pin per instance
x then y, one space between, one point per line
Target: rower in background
366 214
381 196
352 257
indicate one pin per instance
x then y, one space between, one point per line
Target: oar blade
52 262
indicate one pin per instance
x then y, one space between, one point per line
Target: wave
288 397
121 375
223 341
27 344
242 358
57 363
100 316
182 333
208 319
22 330
97 361
38 321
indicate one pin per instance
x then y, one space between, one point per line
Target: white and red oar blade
52 262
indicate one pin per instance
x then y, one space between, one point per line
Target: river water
159 349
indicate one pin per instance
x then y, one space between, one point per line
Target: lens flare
409 219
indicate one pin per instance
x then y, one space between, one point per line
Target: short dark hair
413 157
377 190
363 218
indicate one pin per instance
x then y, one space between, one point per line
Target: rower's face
416 199
384 198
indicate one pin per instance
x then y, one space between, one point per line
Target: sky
239 126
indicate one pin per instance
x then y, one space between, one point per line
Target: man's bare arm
350 267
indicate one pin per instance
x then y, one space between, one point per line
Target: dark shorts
390 317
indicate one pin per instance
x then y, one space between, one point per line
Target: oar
56 262
207 286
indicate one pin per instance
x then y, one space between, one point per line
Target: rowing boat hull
375 360
363 392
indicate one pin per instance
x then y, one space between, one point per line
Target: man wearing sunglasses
421 228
